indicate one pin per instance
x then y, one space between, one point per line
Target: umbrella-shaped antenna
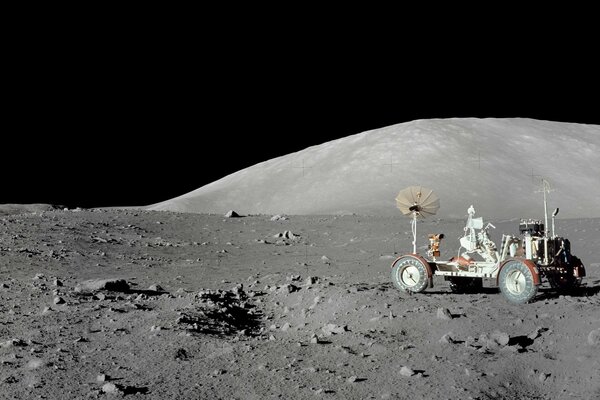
418 202
417 199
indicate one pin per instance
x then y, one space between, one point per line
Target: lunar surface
494 163
139 304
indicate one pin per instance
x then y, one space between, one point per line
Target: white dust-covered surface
494 164
112 303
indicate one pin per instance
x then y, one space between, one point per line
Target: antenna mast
546 189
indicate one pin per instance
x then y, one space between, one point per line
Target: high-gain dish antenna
419 202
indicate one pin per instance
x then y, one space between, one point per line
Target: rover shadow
447 290
582 291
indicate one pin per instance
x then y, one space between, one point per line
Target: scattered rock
444 313
110 388
102 378
181 354
156 288
311 280
406 371
113 284
447 339
59 300
536 333
35 363
3 286
330 329
286 235
238 290
288 288
494 340
278 218
13 343
594 338
326 391
501 338
543 376
57 282
511 349
232 214
222 313
286 327
352 379
315 302
325 260
99 296
314 339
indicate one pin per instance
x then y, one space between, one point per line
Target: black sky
112 116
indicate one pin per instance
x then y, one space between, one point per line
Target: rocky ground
160 305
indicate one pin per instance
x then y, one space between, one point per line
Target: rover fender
528 263
423 261
427 274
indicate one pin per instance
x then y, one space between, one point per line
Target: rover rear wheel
563 283
516 282
409 274
568 281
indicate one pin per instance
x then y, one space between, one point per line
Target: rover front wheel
517 282
409 274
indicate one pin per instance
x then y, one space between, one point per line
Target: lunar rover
519 266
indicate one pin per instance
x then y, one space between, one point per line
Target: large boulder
93 285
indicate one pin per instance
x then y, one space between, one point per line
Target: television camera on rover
519 266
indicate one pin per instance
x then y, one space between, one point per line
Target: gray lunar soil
103 304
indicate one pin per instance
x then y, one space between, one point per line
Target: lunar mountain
497 165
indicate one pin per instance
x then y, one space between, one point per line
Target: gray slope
485 162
